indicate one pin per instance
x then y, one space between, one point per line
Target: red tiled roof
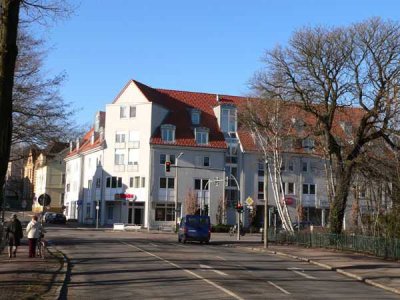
85 144
179 104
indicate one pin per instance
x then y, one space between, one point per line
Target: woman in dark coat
14 235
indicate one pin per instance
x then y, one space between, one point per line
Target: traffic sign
44 200
249 201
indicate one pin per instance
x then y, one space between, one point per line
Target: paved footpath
30 278
371 270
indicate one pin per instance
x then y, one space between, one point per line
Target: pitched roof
85 143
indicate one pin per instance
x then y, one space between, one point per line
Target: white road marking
154 245
226 291
279 288
295 270
179 245
211 269
220 257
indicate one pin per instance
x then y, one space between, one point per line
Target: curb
55 292
340 271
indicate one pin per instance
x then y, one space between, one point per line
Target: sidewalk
374 271
30 278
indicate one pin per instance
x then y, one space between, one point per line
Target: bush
220 228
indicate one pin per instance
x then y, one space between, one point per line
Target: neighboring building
85 174
49 177
121 165
14 183
29 178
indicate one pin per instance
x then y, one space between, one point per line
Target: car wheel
207 241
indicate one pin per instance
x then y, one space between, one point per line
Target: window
260 168
165 212
206 161
119 157
308 189
63 178
130 182
114 182
260 190
195 117
62 197
168 133
201 184
167 182
201 136
228 120
88 210
232 151
120 137
308 143
167 157
304 166
123 112
89 184
290 165
290 186
137 182
68 187
98 182
143 182
163 158
133 156
132 112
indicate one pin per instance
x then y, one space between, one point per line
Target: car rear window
197 221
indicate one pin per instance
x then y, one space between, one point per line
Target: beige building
49 177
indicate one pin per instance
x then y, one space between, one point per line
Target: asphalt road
133 265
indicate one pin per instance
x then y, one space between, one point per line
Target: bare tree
331 72
191 204
270 122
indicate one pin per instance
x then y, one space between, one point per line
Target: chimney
71 146
92 139
77 143
217 98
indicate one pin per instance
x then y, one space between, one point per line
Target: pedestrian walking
14 235
33 231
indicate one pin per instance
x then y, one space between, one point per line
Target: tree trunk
8 56
338 205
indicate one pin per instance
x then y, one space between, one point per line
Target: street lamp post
239 201
176 189
266 219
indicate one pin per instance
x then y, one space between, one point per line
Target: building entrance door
135 213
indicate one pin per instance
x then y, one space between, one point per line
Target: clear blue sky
209 46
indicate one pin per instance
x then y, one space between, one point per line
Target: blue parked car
194 228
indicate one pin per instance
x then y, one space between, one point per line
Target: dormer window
195 116
168 133
228 119
201 135
308 143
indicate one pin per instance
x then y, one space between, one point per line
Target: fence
378 246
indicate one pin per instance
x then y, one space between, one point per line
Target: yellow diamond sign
249 201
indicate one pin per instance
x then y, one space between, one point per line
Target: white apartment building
117 172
